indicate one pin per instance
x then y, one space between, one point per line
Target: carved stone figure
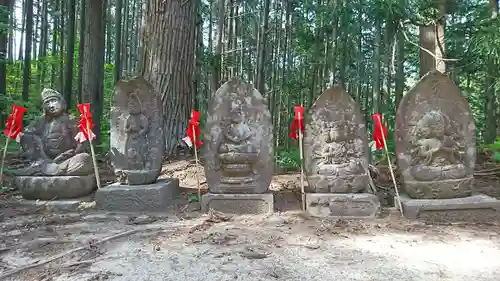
54 157
137 139
238 138
136 127
435 140
336 145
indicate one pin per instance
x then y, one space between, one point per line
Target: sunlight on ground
458 256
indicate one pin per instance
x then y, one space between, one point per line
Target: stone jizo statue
49 142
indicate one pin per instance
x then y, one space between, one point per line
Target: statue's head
134 104
53 102
432 124
337 131
237 110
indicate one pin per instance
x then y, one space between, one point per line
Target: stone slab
478 207
262 203
2 216
342 205
154 197
55 187
57 206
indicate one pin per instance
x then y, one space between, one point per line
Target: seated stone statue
338 160
339 155
50 148
237 153
435 155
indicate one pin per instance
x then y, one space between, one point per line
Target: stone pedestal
56 206
345 206
239 203
155 197
478 207
55 187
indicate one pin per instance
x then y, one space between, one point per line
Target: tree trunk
93 59
81 46
27 50
68 79
4 20
169 39
55 30
12 26
376 66
23 25
432 39
260 81
217 58
118 39
400 74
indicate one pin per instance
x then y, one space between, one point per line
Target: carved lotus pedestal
60 193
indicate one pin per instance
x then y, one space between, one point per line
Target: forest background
291 50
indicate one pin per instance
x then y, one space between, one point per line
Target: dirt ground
184 244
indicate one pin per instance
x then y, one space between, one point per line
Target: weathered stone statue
436 151
336 158
136 132
136 128
137 146
436 140
238 149
57 165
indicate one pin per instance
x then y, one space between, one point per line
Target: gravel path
279 247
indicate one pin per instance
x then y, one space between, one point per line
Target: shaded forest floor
184 244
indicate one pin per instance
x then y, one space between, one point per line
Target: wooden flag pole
4 153
94 160
197 162
392 172
302 191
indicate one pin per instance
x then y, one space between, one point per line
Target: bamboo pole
4 153
197 162
94 160
302 190
392 171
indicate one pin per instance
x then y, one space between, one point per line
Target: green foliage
492 149
288 159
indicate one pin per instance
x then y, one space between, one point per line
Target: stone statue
435 154
238 140
435 140
136 127
50 148
136 132
336 159
335 145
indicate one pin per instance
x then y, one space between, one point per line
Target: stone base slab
55 187
57 206
342 205
478 207
239 203
154 197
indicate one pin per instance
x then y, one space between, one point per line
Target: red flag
85 125
298 121
14 124
193 130
379 131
